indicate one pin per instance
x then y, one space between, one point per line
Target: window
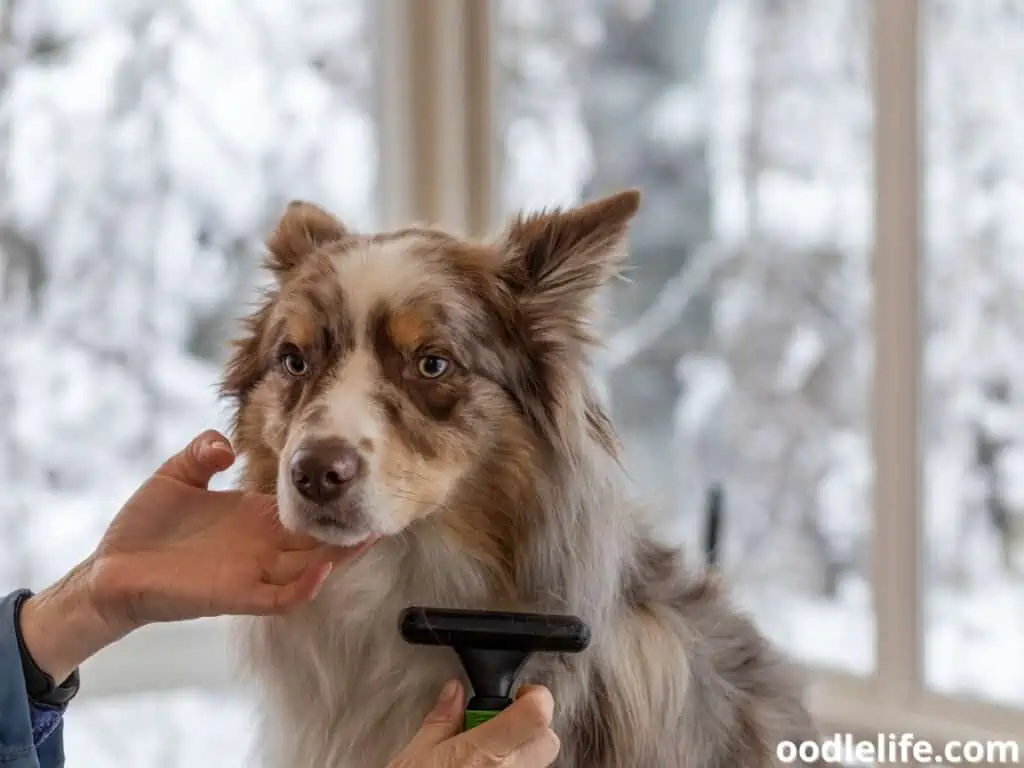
973 340
819 330
739 351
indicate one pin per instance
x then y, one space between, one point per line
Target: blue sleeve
30 736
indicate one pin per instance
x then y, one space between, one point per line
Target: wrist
62 626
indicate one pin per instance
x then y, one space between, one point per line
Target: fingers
443 721
519 737
270 599
296 577
200 460
287 566
526 721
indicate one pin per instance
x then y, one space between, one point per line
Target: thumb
200 460
443 721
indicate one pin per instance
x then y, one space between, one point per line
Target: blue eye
432 366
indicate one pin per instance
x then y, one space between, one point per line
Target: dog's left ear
556 260
302 229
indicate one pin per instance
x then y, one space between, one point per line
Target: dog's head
381 371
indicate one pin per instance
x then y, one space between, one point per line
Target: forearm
62 626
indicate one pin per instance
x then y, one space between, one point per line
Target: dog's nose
321 471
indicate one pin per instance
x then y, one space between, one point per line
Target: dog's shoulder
682 677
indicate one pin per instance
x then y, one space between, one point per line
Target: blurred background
148 147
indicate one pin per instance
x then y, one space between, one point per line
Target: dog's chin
346 526
330 532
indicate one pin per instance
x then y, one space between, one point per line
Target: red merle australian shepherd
434 391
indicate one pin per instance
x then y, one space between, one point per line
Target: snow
149 146
677 118
804 352
708 382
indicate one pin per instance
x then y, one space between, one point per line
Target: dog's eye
432 366
293 363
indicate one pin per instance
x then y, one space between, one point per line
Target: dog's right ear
303 228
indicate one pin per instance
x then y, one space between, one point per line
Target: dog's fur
496 484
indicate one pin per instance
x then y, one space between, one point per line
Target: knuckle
468 753
551 745
435 719
537 707
477 756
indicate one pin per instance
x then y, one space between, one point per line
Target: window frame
439 162
896 698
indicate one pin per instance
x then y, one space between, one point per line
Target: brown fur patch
487 517
407 330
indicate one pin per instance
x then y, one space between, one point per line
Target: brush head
494 630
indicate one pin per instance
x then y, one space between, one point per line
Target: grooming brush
492 646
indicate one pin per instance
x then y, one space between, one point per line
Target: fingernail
323 577
448 693
213 446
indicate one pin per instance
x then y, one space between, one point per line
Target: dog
434 391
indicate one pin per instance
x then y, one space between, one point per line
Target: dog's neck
546 525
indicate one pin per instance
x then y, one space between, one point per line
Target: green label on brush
476 716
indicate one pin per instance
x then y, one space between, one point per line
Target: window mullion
435 116
483 137
397 112
897 367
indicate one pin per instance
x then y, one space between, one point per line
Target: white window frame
439 162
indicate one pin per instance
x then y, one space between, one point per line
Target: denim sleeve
30 736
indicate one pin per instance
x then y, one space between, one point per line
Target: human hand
177 551
519 737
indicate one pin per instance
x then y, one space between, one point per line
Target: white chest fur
340 687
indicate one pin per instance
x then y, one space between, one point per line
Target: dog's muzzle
325 473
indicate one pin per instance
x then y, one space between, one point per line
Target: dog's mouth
345 526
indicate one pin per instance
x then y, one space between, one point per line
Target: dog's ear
557 259
302 229
553 263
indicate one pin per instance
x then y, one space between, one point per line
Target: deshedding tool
492 646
